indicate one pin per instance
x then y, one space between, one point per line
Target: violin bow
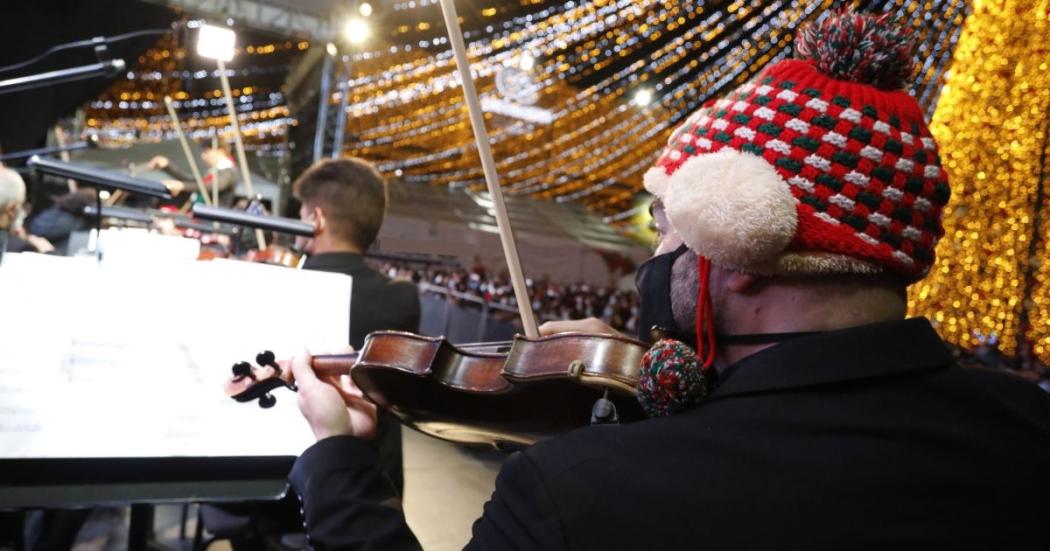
488 164
246 172
60 139
186 149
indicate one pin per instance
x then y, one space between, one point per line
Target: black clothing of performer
376 303
14 244
865 438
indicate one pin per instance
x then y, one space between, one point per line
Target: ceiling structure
563 82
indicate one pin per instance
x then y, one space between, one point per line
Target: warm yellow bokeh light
991 124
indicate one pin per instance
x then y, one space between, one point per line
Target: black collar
867 351
335 262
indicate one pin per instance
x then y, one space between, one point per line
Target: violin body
505 396
275 254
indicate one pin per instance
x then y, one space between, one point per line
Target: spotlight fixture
642 97
216 42
357 30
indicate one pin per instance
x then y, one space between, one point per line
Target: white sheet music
128 360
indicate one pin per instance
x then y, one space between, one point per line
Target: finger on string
301 367
349 397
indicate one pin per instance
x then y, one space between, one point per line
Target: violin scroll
249 383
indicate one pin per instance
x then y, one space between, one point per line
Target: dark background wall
30 27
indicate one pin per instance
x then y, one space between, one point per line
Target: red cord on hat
705 331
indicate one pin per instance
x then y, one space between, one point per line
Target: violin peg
266 358
267 401
242 370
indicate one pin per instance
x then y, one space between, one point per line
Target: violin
277 255
503 395
499 394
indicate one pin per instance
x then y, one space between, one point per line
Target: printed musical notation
126 360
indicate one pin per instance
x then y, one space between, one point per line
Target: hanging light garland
691 52
405 108
992 123
132 110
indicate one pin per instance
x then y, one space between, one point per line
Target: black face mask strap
764 338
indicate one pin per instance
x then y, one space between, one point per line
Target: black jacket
866 438
376 303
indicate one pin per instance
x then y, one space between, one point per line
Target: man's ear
320 221
9 211
742 282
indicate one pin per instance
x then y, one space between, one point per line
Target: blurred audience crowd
619 308
550 300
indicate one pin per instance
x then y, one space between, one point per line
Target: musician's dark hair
352 195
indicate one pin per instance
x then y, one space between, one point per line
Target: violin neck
333 364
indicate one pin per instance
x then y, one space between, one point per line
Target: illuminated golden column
991 124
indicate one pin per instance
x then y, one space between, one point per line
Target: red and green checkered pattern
860 162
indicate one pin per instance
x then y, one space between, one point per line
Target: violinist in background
793 406
65 216
345 200
13 236
219 170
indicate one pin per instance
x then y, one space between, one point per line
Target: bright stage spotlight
365 8
642 97
216 42
527 62
357 31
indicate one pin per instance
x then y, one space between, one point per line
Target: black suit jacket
866 438
376 303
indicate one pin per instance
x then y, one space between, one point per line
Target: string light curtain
132 109
991 276
591 58
586 60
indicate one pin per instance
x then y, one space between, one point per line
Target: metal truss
267 15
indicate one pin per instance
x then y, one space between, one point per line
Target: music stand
101 180
240 218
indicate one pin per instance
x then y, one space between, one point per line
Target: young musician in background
345 200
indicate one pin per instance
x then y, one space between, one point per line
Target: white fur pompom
732 207
655 181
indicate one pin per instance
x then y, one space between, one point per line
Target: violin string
464 346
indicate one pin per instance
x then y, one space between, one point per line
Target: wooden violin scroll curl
497 394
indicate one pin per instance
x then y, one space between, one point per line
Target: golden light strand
990 123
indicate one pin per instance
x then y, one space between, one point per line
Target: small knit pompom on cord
863 48
671 379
